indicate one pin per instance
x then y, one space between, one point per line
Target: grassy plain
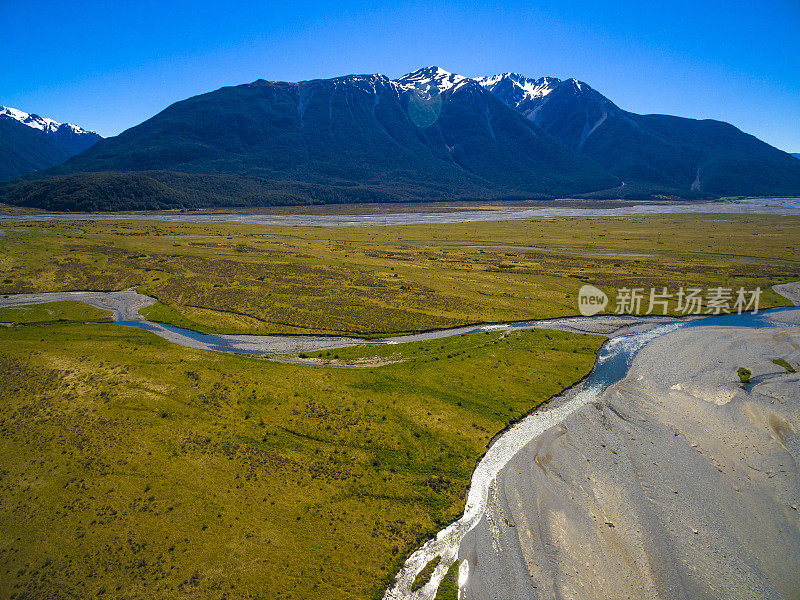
237 278
134 468
53 312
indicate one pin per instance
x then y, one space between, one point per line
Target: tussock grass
425 574
236 278
148 470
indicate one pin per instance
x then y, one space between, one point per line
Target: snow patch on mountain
431 81
518 88
41 123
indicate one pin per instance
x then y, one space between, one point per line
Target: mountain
429 135
649 153
30 142
796 154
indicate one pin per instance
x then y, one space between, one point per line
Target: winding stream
125 305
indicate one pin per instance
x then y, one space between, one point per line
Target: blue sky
109 65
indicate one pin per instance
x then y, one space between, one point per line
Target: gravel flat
674 483
124 305
790 291
771 206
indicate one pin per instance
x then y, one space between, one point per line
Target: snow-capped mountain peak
41 123
428 79
517 89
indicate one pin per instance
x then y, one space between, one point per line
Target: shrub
744 375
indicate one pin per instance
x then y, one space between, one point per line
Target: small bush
744 375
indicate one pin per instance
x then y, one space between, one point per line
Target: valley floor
134 467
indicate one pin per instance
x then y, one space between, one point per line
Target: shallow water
214 342
252 344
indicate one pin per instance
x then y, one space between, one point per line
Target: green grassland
54 312
134 468
448 589
236 278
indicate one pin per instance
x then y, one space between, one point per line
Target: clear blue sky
109 65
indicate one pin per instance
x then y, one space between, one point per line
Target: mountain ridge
29 142
428 135
650 150
44 124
